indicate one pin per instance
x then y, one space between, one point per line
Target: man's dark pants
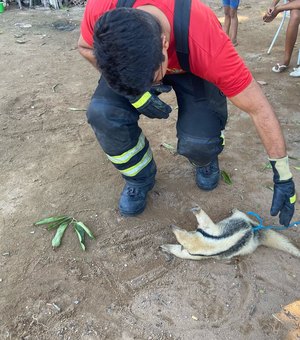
202 115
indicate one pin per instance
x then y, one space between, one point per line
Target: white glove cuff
282 167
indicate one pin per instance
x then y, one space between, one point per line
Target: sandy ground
123 287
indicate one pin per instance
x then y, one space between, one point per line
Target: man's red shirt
212 55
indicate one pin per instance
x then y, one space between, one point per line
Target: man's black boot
207 177
133 199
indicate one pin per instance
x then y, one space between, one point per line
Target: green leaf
267 166
57 224
85 228
50 220
56 241
297 167
80 233
226 178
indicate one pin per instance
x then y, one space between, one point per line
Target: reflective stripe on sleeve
142 101
126 156
293 199
135 169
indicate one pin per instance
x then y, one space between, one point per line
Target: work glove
150 105
284 196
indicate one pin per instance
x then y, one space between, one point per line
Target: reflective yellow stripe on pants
223 137
135 169
125 157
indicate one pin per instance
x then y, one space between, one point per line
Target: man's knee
94 111
114 126
227 11
108 115
97 116
200 151
294 17
233 13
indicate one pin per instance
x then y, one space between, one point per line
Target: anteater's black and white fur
233 236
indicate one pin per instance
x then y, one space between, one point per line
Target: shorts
232 3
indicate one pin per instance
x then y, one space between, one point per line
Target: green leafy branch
61 223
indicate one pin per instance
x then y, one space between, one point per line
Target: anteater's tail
271 238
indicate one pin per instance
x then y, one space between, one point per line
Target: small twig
54 87
55 306
275 317
18 41
41 113
76 109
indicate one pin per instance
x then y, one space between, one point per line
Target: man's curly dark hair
128 49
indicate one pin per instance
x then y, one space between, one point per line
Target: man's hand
284 196
87 51
271 14
284 199
270 10
150 105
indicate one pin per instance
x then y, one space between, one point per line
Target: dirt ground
123 286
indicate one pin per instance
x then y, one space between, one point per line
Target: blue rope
266 227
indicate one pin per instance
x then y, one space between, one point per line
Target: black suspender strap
181 32
125 3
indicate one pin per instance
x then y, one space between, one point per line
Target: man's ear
165 42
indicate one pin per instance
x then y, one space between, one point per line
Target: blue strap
266 227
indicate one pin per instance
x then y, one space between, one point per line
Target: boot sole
126 214
208 189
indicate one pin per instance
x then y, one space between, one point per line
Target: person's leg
234 4
291 35
234 26
115 123
227 19
202 115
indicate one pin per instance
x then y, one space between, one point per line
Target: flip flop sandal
279 68
296 72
